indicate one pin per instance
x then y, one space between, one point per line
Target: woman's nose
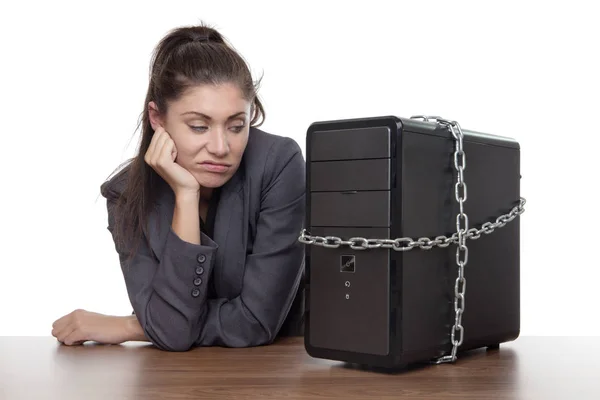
218 143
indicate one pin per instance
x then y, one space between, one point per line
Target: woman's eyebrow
206 117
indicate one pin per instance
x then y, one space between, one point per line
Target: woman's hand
80 326
161 156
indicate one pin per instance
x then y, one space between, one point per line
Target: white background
73 79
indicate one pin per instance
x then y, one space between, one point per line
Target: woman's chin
211 180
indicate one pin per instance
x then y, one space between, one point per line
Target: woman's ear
154 116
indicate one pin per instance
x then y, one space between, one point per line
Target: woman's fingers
167 151
59 324
157 155
155 137
76 337
65 326
63 321
65 332
161 158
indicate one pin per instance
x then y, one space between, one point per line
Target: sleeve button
195 293
199 270
201 258
197 281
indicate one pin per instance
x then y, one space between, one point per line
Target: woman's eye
236 129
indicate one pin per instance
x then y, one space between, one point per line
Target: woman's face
208 124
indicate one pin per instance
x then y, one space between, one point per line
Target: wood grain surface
528 368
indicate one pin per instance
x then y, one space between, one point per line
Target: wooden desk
528 368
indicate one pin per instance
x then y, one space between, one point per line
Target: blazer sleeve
165 299
274 268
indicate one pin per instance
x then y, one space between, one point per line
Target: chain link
463 232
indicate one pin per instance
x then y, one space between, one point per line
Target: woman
205 219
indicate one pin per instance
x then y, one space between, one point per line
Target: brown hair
186 57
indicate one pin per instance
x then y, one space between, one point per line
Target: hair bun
205 34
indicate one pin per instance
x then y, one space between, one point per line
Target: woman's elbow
169 341
170 336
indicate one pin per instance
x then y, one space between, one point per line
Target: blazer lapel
230 232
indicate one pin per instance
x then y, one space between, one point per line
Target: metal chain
407 243
459 237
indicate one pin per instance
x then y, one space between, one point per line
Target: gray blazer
254 257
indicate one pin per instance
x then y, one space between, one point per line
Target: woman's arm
134 330
168 308
186 217
166 302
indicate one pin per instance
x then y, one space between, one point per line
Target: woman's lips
214 167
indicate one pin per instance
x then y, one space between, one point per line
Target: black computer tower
390 177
